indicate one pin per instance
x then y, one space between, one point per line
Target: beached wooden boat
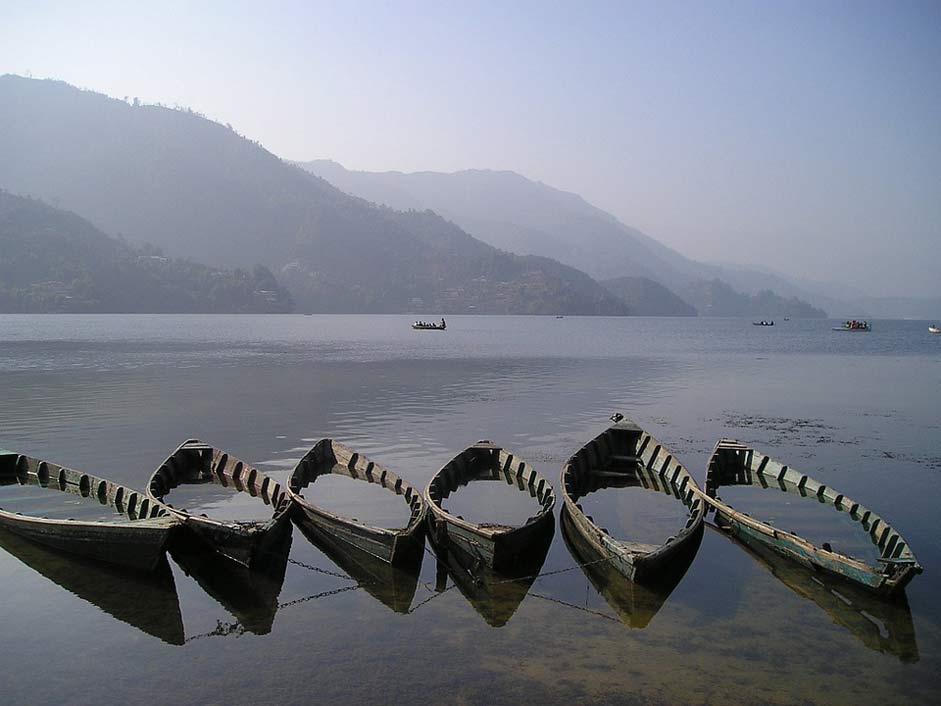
135 538
635 603
883 625
494 595
146 600
734 463
395 546
195 463
496 546
624 455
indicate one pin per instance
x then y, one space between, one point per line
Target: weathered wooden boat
395 546
136 537
392 585
624 455
634 603
146 600
881 624
249 595
496 546
734 463
196 463
494 595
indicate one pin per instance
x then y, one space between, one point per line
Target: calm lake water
114 395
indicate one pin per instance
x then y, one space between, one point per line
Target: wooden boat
624 455
635 603
499 547
934 328
854 326
733 463
135 538
494 595
881 625
242 541
146 600
762 323
395 546
393 586
249 595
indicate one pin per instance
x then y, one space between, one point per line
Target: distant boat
934 329
762 323
427 326
854 325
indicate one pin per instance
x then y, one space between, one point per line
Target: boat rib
137 539
394 546
498 547
242 541
625 455
734 463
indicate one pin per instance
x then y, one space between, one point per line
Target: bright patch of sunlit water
114 395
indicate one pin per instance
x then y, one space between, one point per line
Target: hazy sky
804 136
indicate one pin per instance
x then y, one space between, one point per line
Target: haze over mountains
468 242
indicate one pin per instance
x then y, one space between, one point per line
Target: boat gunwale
637 554
258 485
369 475
766 468
69 480
494 532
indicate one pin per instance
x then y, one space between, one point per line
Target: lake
115 395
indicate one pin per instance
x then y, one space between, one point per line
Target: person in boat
443 325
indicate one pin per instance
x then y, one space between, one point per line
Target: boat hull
733 463
625 454
393 546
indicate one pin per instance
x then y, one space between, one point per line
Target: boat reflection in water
146 600
250 595
495 595
393 586
881 624
635 603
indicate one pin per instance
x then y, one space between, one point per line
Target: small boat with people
243 541
762 323
122 526
934 328
622 456
734 463
491 545
854 325
430 325
394 546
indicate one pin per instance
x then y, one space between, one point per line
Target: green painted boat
734 463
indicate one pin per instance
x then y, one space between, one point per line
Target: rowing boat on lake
734 463
496 546
243 541
395 546
132 530
624 455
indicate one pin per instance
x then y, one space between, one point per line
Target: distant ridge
647 297
54 261
198 189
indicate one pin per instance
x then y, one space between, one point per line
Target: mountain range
197 189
